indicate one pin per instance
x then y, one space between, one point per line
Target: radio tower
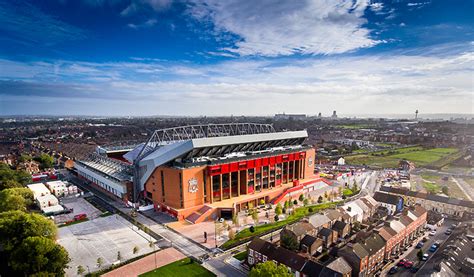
416 114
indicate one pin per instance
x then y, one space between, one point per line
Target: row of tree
10 178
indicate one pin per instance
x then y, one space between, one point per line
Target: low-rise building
319 221
356 256
343 229
39 189
431 202
298 230
375 247
329 236
311 245
57 187
393 203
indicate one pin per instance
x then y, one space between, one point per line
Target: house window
250 252
250 260
264 258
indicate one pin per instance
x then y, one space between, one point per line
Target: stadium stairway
200 215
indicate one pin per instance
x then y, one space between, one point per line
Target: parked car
402 262
414 269
79 217
408 264
425 257
448 232
393 270
433 248
432 233
419 245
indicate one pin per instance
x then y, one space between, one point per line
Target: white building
57 187
46 201
354 211
39 189
341 161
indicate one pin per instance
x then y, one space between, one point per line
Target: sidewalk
147 263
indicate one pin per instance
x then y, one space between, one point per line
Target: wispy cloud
148 23
270 28
26 23
438 83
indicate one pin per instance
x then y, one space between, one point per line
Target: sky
236 57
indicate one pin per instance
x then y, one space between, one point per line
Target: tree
80 270
45 160
420 254
269 268
295 202
10 178
276 218
119 256
17 226
278 209
15 199
286 205
100 262
252 229
288 242
262 202
310 209
135 250
320 199
340 189
290 204
235 220
355 187
445 190
24 157
254 215
325 195
39 254
283 210
305 201
301 198
231 234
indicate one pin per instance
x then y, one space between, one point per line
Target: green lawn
297 215
417 154
185 267
241 256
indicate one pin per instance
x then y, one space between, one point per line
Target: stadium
197 172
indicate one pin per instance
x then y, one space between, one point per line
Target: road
467 189
216 264
413 252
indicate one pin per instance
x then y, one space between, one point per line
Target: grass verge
245 235
241 256
185 267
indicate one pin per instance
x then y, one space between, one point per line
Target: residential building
319 221
343 229
329 236
298 230
357 257
393 203
431 202
375 247
311 245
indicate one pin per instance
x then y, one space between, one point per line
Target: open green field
184 267
417 154
434 183
299 213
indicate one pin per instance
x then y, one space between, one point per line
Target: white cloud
148 23
361 84
270 28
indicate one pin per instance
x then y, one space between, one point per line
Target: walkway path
465 187
147 263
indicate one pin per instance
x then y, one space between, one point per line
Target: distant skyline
214 57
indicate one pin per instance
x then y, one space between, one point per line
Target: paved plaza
102 237
79 206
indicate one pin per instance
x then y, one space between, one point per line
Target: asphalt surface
164 235
427 266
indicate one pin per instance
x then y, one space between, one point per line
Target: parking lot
79 206
102 237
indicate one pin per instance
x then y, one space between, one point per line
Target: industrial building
201 171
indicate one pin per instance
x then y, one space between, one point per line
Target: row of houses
432 202
367 256
311 237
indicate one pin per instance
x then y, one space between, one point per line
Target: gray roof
373 243
319 220
427 196
340 265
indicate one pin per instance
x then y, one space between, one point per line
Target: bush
252 229
295 202
276 218
310 209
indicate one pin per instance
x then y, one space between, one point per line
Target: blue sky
213 57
